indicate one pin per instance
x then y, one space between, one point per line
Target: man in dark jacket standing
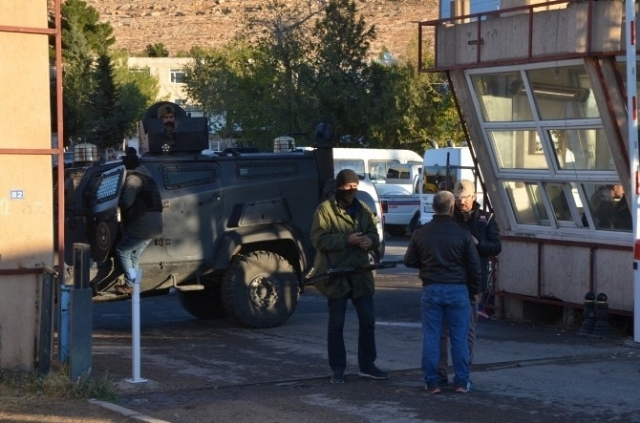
450 271
343 231
141 209
486 237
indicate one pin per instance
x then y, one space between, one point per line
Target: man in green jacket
343 230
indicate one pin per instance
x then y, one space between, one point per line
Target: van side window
356 165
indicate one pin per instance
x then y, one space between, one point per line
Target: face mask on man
346 195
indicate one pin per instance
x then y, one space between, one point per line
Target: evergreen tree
341 71
102 102
102 126
77 15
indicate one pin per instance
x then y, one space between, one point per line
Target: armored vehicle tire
260 290
204 305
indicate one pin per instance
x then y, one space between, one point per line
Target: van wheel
260 290
415 223
395 230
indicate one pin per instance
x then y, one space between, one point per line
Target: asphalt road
215 371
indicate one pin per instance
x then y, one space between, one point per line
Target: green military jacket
329 232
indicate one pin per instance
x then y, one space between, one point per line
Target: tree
77 15
102 99
339 57
285 81
157 50
83 37
102 126
136 92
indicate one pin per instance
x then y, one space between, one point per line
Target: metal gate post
81 314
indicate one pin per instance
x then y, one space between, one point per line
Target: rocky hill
181 24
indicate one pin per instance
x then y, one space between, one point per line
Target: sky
477 6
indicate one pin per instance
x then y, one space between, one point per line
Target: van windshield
433 175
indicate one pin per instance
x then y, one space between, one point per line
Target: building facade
26 196
541 91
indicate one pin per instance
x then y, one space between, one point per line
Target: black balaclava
131 160
346 197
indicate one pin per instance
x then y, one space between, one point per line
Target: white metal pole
135 326
632 112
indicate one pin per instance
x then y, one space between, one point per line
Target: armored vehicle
236 226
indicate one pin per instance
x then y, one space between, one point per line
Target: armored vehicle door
92 213
192 208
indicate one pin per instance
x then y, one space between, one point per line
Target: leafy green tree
287 81
137 90
212 80
410 109
157 50
285 50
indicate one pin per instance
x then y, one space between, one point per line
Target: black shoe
374 373
337 377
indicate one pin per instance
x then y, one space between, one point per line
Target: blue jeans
366 333
128 253
442 302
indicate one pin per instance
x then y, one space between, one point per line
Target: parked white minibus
372 163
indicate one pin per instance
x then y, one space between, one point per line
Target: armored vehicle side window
183 176
104 186
261 170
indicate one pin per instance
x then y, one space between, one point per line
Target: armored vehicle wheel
204 305
260 290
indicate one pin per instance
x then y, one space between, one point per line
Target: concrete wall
561 31
565 272
26 224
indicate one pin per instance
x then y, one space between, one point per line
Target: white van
449 165
372 164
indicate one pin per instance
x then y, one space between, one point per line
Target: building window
178 76
550 152
144 71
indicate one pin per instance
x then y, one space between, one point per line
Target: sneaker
483 314
337 377
374 373
433 389
463 389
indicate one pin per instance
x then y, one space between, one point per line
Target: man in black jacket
450 271
141 209
486 237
